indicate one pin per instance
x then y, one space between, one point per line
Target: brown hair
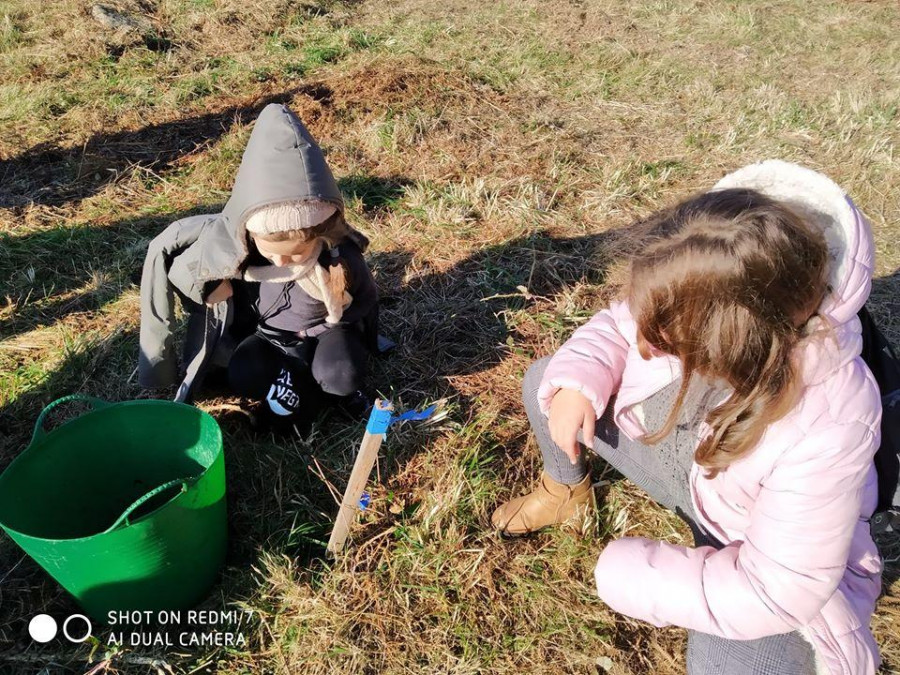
333 230
726 283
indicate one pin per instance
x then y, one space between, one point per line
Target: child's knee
339 378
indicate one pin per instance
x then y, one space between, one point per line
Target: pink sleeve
782 574
591 361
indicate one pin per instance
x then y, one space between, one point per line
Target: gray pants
662 471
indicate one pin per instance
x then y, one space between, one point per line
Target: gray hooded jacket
282 163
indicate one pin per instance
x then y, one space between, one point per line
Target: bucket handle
182 483
40 432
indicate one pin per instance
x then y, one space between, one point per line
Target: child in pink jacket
727 382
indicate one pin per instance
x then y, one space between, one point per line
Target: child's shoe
551 503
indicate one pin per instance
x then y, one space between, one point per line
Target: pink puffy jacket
794 513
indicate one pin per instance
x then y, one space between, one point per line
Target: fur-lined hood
822 202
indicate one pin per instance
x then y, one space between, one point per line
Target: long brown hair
726 284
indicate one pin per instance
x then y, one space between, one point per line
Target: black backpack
880 357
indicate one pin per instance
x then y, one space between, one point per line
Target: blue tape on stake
379 421
413 416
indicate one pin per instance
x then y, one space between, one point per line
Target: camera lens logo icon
43 628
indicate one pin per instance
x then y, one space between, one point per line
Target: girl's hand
570 411
220 293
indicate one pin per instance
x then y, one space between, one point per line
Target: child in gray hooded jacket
276 285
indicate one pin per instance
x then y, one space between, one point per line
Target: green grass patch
11 34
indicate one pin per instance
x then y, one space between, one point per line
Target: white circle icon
42 628
87 632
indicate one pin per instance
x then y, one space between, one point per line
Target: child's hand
220 293
570 411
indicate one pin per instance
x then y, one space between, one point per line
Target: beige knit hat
287 217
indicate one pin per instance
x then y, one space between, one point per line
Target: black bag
880 357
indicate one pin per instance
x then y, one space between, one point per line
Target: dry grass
483 147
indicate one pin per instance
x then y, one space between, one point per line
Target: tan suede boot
551 503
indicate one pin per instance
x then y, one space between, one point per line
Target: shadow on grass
884 300
453 323
53 175
49 274
376 194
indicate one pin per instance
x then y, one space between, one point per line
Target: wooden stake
362 468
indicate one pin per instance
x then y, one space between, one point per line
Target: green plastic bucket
124 506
